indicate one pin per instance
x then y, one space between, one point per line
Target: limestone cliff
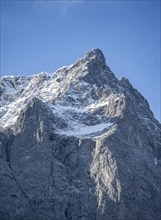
78 144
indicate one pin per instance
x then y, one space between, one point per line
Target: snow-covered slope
77 94
66 92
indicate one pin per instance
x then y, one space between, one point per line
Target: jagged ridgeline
78 144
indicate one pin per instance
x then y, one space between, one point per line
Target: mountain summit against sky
78 144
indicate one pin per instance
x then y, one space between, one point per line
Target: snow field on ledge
74 126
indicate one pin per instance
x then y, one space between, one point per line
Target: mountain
78 144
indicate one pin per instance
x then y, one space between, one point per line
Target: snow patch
83 130
116 99
155 161
63 108
97 105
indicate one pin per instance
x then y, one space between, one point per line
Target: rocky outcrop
78 144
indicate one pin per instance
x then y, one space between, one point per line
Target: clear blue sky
45 35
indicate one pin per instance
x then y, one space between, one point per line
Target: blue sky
45 35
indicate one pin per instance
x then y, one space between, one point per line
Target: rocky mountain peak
93 59
96 58
78 144
95 53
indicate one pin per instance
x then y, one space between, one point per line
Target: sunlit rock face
78 144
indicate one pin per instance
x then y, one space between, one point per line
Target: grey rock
78 144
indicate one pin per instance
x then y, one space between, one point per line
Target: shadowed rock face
78 144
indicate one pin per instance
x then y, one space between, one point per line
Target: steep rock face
78 144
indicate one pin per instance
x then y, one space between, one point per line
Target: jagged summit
78 144
93 59
97 55
95 52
